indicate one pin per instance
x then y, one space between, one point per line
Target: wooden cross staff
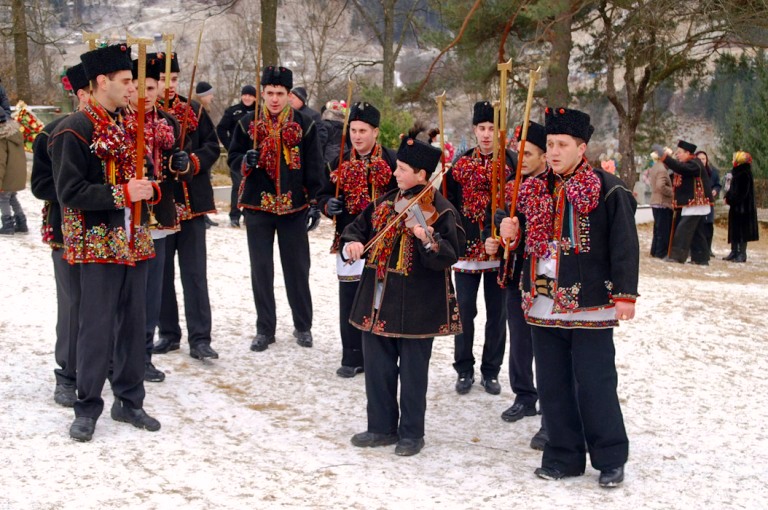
440 104
90 38
168 38
504 68
142 89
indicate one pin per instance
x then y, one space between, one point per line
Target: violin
419 212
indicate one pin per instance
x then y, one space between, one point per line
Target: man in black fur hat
194 199
97 188
365 174
282 176
691 203
67 276
469 190
534 166
579 280
405 298
224 129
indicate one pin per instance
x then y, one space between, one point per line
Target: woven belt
545 286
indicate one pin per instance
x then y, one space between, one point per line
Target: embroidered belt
545 286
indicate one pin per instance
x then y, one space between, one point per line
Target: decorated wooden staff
168 38
533 77
440 103
258 89
495 165
142 89
350 86
185 121
90 38
504 70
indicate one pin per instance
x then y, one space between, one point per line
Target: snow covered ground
272 429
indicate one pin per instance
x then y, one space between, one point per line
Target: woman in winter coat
13 171
714 182
742 215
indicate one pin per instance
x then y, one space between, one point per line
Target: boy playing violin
405 297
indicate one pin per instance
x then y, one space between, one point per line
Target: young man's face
683 155
407 178
116 90
534 160
564 153
275 97
363 136
248 99
150 95
172 88
484 135
296 103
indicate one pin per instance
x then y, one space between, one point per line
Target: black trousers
112 319
520 350
662 227
576 376
67 278
293 242
381 375
689 237
351 337
234 211
155 270
467 285
189 243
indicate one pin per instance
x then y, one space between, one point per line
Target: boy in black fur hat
405 299
579 280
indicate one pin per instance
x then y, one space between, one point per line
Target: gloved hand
313 218
499 215
658 149
180 162
335 206
252 158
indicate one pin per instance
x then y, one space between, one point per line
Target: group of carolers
570 276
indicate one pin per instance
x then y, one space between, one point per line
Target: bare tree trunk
388 53
21 50
561 39
627 167
269 52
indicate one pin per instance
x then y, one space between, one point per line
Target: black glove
313 218
335 206
658 149
180 162
252 158
498 216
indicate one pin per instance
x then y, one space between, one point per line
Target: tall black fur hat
77 78
160 57
152 71
365 112
277 75
686 146
537 135
108 59
562 121
483 112
418 154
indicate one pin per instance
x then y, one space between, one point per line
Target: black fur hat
108 59
152 71
77 78
483 112
537 135
562 121
365 112
686 146
159 59
277 75
418 154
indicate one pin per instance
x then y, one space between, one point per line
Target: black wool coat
742 215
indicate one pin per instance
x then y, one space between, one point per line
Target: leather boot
7 228
734 252
741 256
20 224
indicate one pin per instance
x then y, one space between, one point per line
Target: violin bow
440 125
185 122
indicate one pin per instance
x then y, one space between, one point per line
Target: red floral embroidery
382 215
360 179
109 143
275 136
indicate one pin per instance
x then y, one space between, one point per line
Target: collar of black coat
412 191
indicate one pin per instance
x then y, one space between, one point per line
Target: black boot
741 256
7 229
20 224
734 252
